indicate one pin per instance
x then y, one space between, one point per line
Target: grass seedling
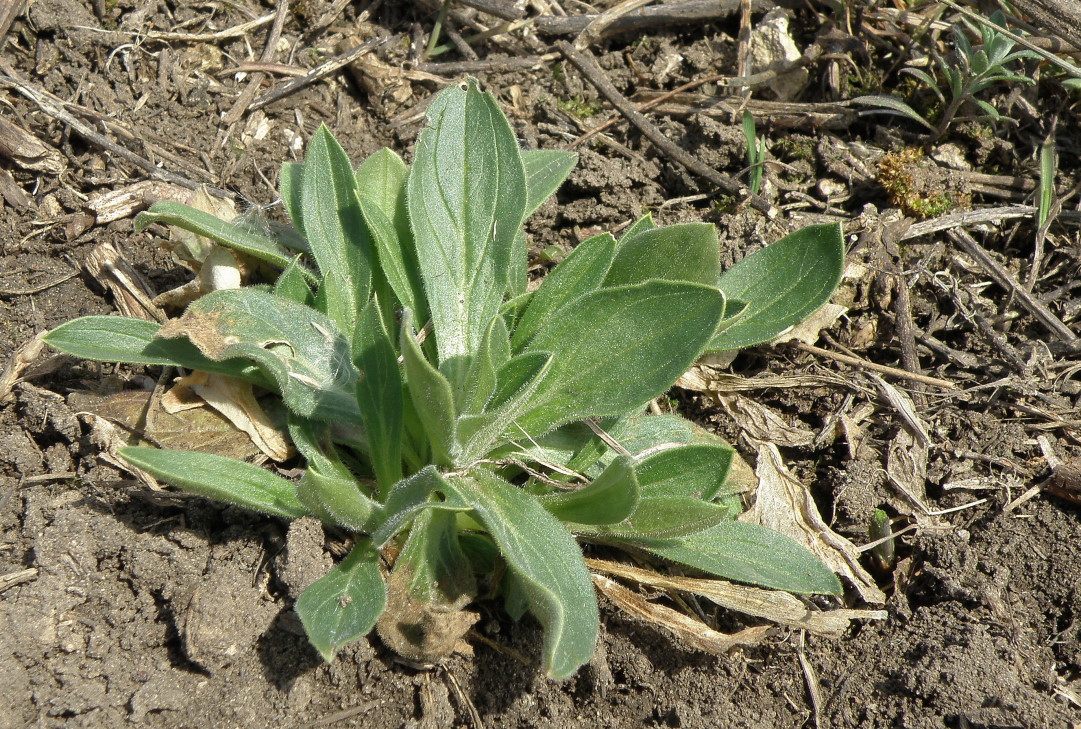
756 152
965 72
480 456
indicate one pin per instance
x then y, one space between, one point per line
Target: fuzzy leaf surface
663 517
380 182
697 471
609 498
517 382
547 560
335 228
545 171
753 554
466 193
686 252
782 284
122 339
240 238
578 274
615 349
221 479
344 604
432 397
379 395
296 346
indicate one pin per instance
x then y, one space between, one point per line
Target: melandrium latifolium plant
453 421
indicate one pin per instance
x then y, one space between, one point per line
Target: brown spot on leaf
204 329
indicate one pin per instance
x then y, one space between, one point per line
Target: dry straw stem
324 69
874 366
691 631
1003 278
236 31
777 607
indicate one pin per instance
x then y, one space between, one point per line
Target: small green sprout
452 421
756 152
965 73
881 531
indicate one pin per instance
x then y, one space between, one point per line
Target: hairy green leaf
643 223
751 553
298 347
687 252
292 285
782 284
335 228
431 395
379 395
344 604
545 557
578 274
615 349
545 171
697 471
435 568
609 498
219 478
380 183
121 339
892 105
662 517
424 489
467 195
240 238
516 383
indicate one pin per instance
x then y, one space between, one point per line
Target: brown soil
155 610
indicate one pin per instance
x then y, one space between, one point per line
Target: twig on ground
1003 278
587 65
874 366
902 305
503 10
451 68
677 13
733 82
967 217
30 290
8 12
235 32
600 23
243 102
331 14
810 677
323 69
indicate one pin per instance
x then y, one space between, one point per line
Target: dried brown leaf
810 329
199 429
778 607
904 406
762 423
18 362
234 400
786 505
132 293
690 631
906 467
